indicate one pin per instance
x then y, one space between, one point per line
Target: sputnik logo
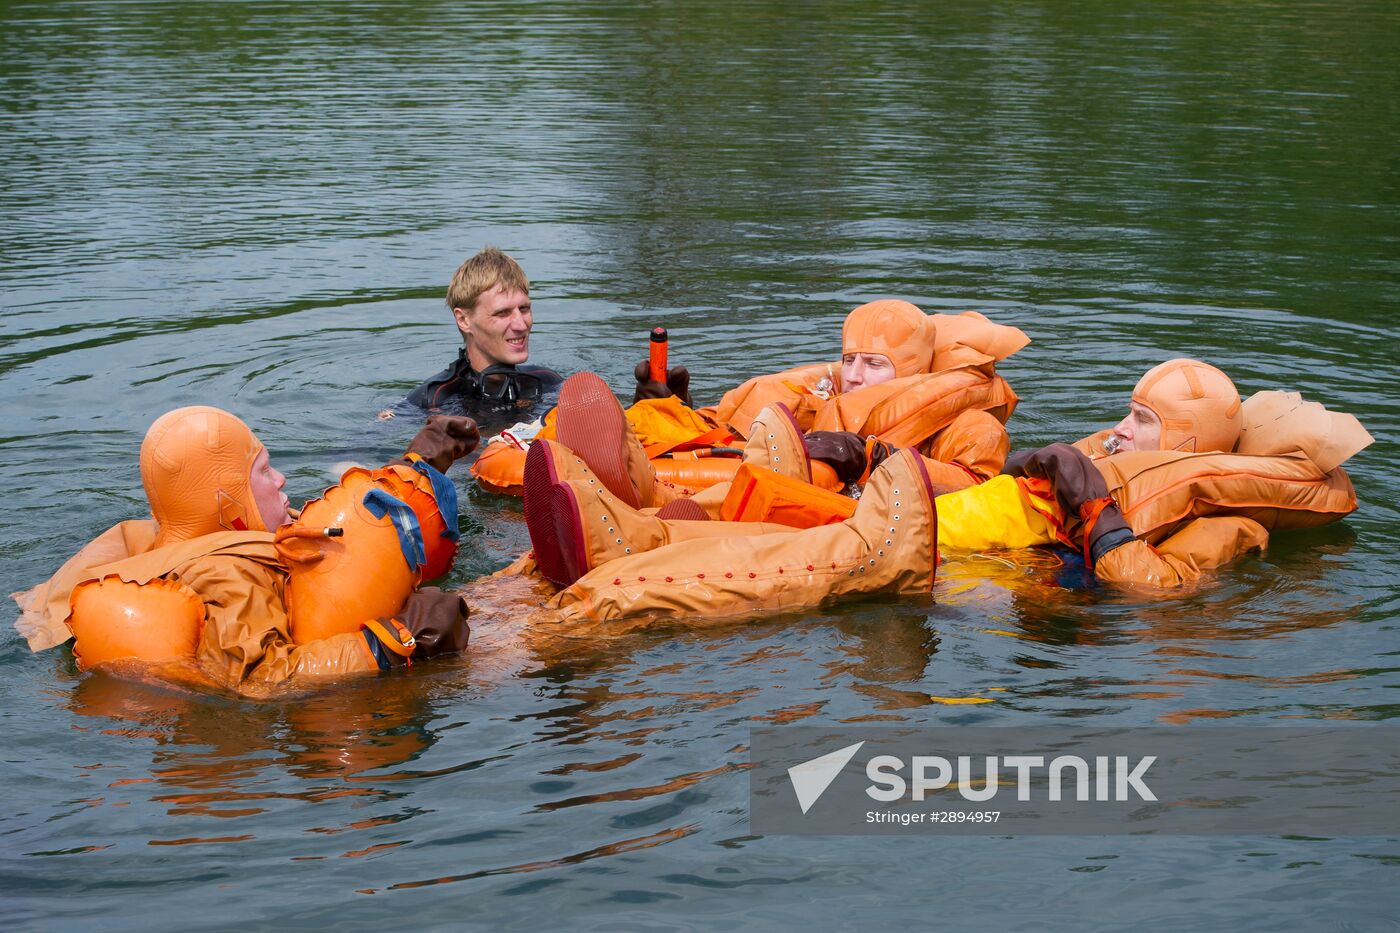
811 778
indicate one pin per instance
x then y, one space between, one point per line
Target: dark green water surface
258 206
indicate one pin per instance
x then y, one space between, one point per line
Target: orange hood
893 329
1196 403
195 465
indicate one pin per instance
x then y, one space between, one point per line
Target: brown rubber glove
437 620
1081 491
845 452
444 440
677 384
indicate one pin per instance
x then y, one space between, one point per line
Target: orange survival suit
1177 514
206 534
946 399
1272 461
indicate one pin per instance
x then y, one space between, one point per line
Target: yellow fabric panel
997 514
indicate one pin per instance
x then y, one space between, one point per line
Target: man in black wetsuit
490 299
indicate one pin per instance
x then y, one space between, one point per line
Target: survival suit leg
890 544
589 527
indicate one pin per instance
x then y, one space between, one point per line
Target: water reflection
203 744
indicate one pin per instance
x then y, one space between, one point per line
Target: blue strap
380 503
446 495
376 648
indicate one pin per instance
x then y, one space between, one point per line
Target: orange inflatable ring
351 556
501 469
112 619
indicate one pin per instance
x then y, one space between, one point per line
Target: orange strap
716 437
1038 489
401 642
1089 514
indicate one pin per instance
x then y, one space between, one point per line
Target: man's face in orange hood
1141 430
884 340
266 484
859 370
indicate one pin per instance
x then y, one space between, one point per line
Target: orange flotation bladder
501 469
112 620
354 554
1158 490
760 495
433 499
692 471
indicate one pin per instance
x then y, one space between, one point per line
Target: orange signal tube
659 344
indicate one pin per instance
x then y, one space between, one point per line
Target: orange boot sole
591 424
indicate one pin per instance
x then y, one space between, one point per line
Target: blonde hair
481 273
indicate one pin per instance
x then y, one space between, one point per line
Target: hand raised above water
444 440
677 384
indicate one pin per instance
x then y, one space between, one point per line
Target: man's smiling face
497 328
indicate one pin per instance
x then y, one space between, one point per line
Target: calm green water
258 205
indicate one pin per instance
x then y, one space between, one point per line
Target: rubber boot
889 545
587 526
592 425
567 465
777 443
